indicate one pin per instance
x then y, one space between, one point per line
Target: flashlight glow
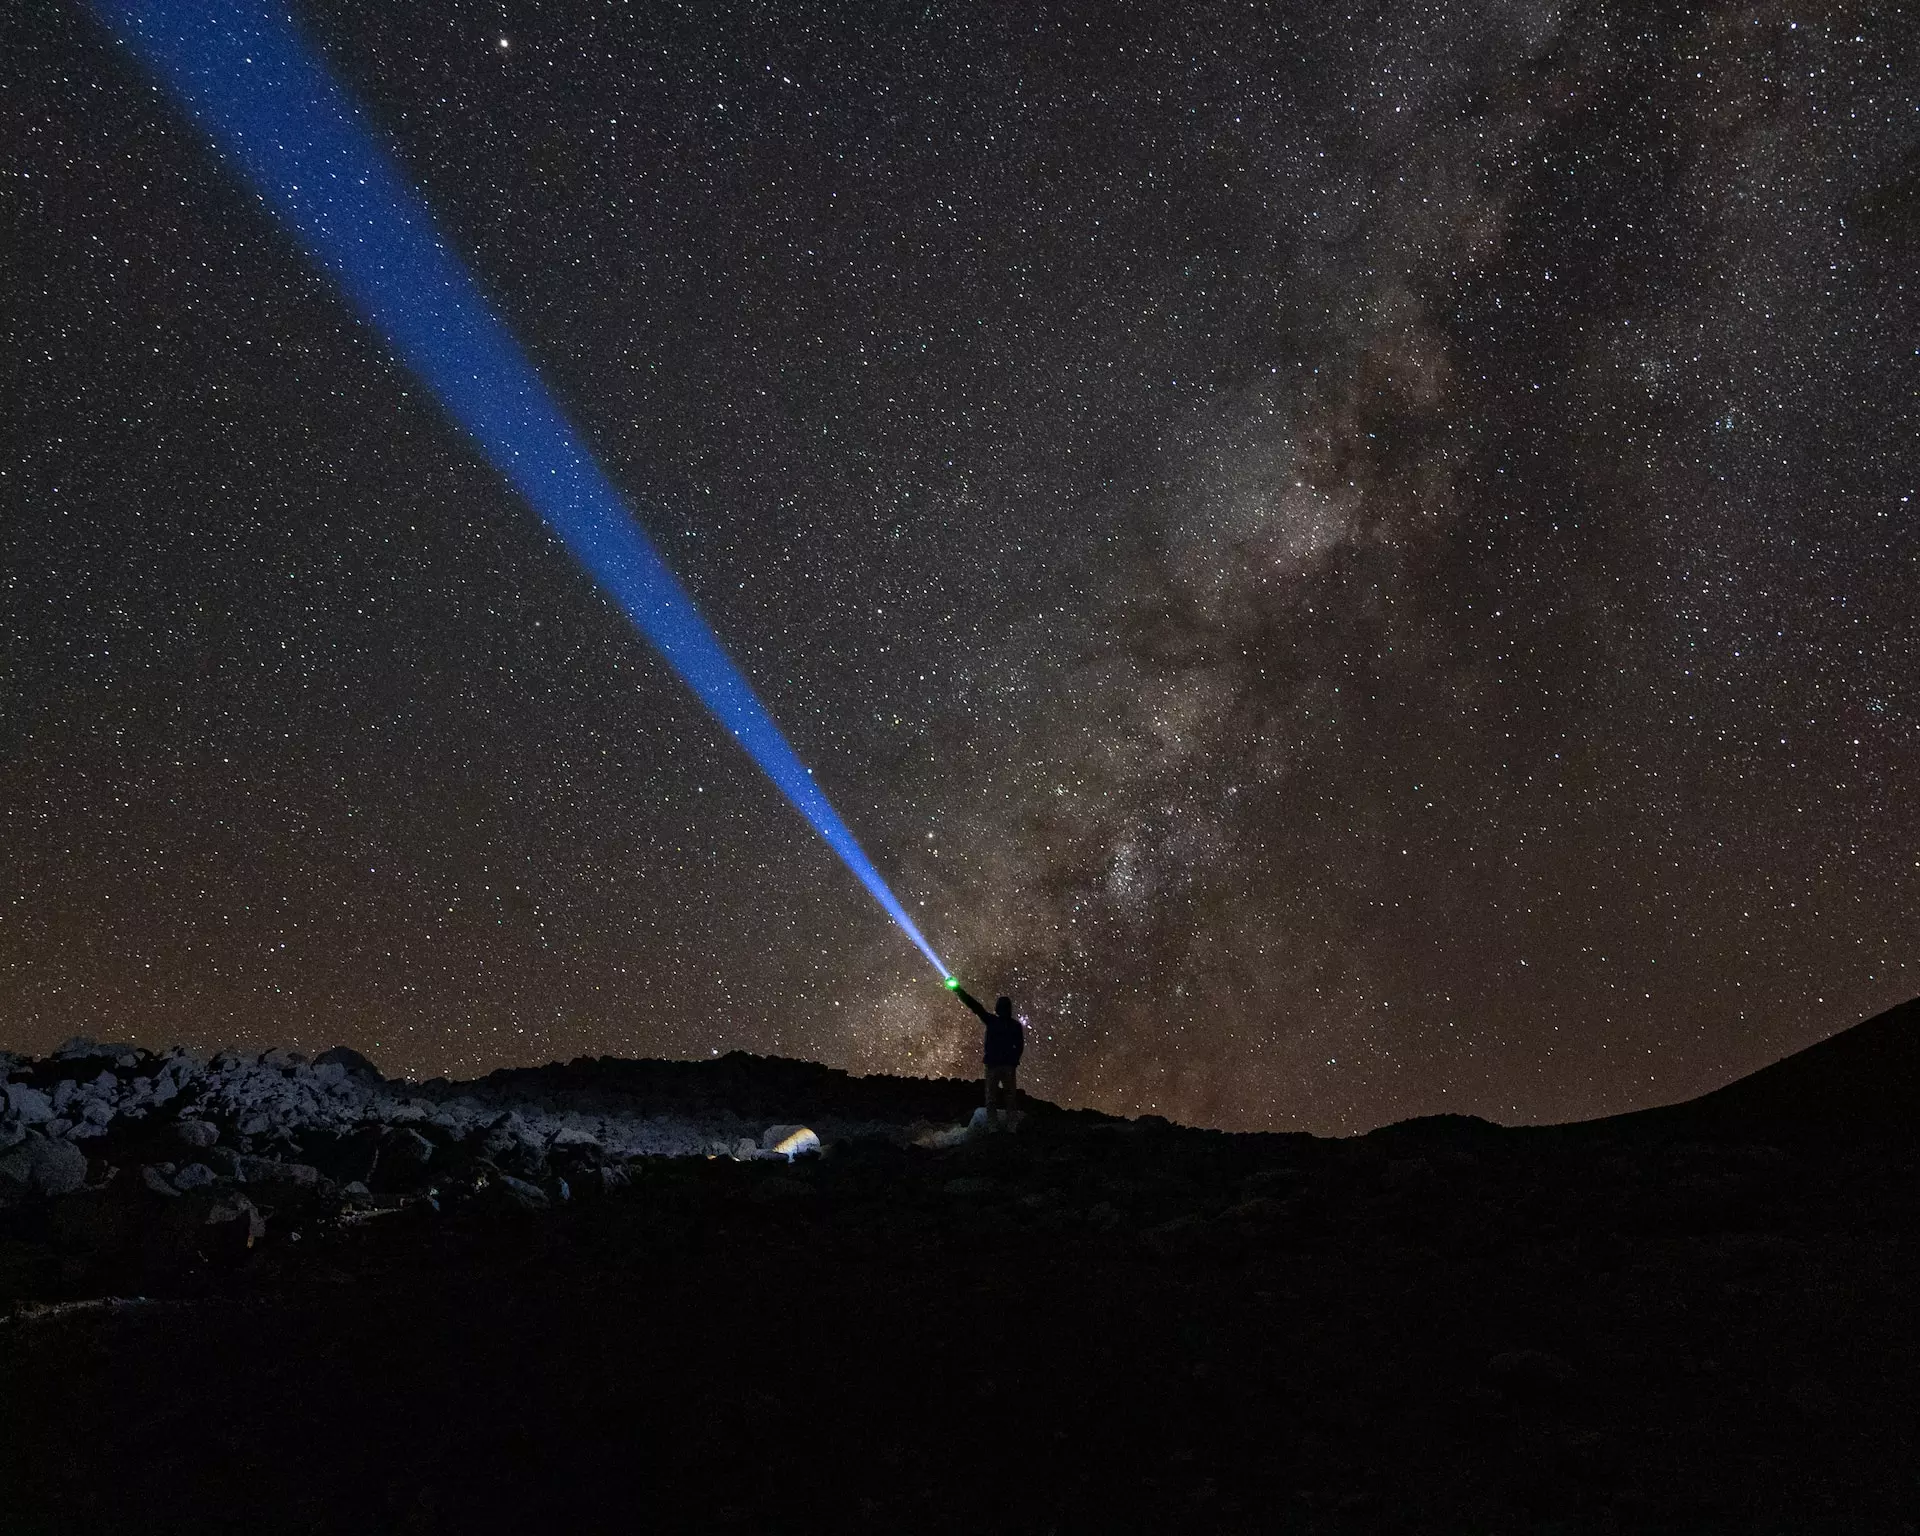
277 115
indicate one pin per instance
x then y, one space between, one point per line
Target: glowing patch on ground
796 1141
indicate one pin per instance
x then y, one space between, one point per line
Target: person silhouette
1005 1042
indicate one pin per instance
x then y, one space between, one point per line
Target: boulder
517 1193
575 1151
199 1134
356 1065
193 1176
789 1140
224 1225
512 1144
41 1165
28 1104
403 1162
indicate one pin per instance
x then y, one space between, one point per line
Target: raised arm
974 1003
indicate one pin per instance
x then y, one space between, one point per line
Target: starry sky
1358 560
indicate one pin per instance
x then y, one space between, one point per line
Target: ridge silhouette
1862 1082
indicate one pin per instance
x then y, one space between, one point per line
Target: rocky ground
270 1294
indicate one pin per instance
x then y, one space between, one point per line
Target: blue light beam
270 105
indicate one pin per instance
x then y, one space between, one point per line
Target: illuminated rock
790 1140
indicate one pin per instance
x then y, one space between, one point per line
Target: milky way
1359 563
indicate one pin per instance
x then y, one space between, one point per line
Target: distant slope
1863 1081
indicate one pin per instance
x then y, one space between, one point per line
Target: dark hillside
1863 1082
279 1295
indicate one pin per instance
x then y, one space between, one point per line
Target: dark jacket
1005 1040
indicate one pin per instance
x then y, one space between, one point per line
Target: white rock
790 1140
28 1104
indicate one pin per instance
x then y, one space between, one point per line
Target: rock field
180 1122
266 1293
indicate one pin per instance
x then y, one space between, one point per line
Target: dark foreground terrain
1695 1320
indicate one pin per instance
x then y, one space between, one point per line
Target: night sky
1359 561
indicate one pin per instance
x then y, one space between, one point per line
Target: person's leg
996 1097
